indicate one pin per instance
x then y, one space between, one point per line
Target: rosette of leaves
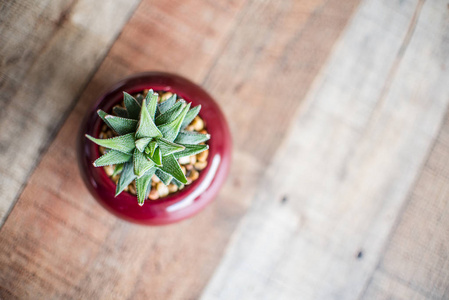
150 140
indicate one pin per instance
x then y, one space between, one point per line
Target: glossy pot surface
174 207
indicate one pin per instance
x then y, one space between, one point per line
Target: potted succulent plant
155 149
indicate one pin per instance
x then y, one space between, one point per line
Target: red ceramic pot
174 207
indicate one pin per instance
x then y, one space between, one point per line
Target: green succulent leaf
142 143
146 127
132 106
142 184
191 137
122 143
151 147
164 106
141 163
190 116
177 182
103 115
118 168
152 103
171 166
121 112
164 177
168 147
170 114
126 177
156 157
139 99
121 125
112 157
191 150
171 130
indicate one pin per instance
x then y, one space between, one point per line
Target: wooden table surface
339 187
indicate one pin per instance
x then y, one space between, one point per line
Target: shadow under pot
166 161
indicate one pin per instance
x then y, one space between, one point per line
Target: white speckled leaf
191 150
126 177
164 106
151 99
167 147
123 143
164 177
142 184
191 137
121 125
190 116
171 166
146 127
170 130
141 163
151 147
132 106
156 157
112 157
170 114
142 143
121 112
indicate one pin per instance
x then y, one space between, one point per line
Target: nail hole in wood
360 254
284 200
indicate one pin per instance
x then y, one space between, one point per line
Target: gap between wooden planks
49 51
355 152
58 242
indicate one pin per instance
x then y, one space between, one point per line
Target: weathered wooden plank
109 258
328 202
415 264
48 52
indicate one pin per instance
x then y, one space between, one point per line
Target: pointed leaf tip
146 127
132 106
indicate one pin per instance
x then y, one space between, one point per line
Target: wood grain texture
415 263
61 244
48 52
319 224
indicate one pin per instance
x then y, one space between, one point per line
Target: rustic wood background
339 187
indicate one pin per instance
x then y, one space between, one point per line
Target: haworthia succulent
156 157
170 114
122 143
164 177
178 183
141 163
151 100
151 147
121 112
139 98
112 157
121 125
191 150
132 106
103 115
142 143
118 169
169 147
146 127
126 177
191 137
164 106
171 130
171 166
190 116
149 141
142 185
